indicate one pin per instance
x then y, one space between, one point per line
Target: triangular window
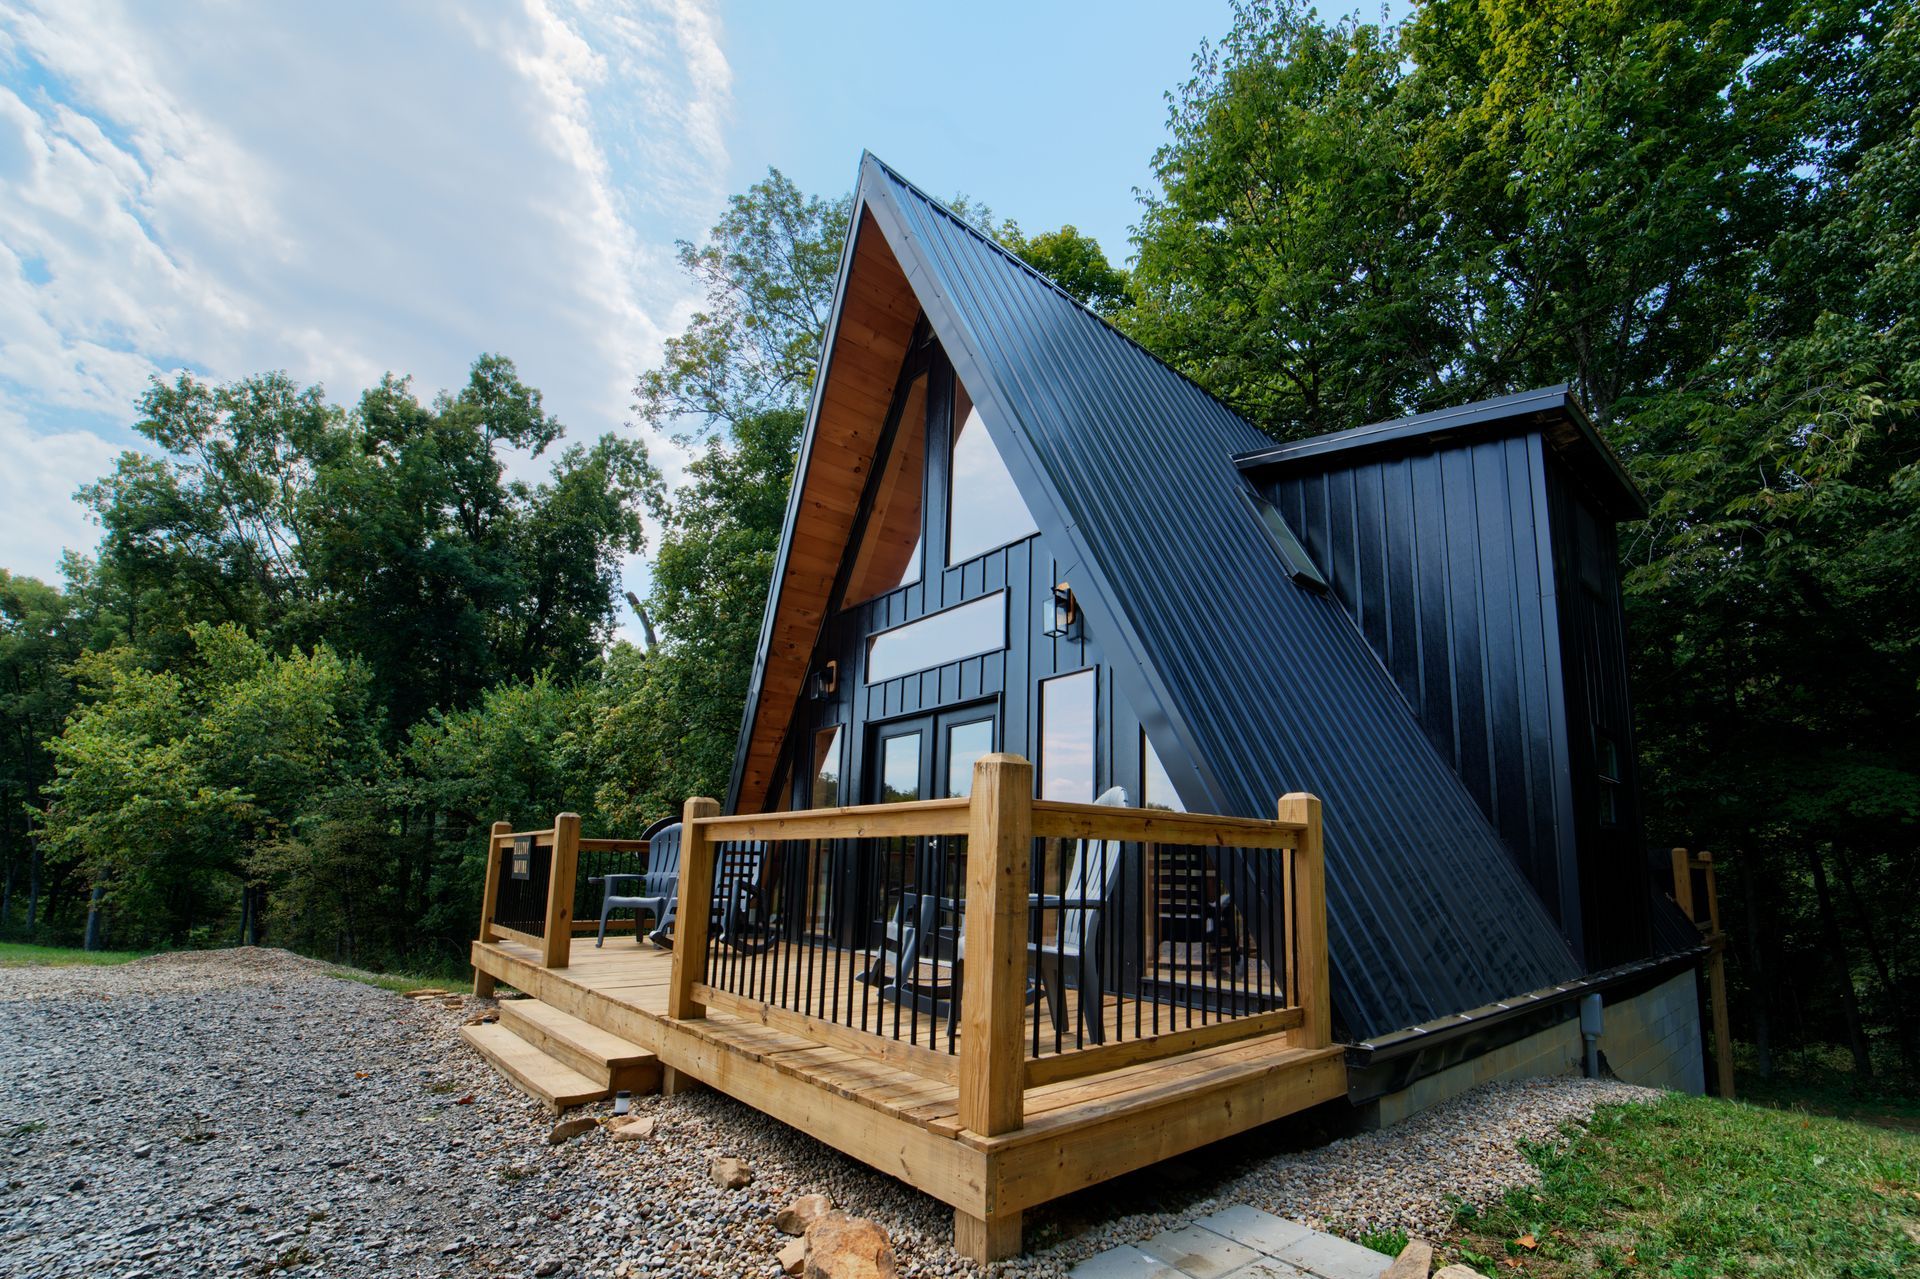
984 507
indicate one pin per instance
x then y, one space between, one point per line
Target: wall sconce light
1066 612
826 679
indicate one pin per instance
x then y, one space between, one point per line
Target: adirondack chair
739 899
1075 950
659 886
920 916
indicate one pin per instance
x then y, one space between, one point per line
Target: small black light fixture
826 678
1066 612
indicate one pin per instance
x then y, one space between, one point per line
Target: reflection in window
826 769
1066 737
979 626
900 768
1156 788
985 510
1608 759
966 743
889 553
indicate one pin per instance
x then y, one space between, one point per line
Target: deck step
531 1071
600 1055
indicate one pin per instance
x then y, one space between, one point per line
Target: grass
399 983
1696 1187
1390 1242
1819 1079
20 955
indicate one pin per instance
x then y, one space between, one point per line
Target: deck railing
1001 942
539 884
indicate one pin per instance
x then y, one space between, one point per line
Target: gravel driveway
246 1112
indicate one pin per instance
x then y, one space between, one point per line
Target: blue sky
339 190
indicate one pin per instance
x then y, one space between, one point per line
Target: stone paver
1125 1262
1237 1243
1332 1257
1260 1231
1200 1253
1269 1268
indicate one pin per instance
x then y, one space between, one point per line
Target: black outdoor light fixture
826 678
1066 612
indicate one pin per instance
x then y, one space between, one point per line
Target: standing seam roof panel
1270 686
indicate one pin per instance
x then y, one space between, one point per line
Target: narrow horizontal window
979 626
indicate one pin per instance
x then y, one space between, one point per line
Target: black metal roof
1248 684
1553 410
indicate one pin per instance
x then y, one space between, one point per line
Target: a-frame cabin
1331 796
1419 621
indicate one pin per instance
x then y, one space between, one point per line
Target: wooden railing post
1683 882
993 992
695 910
1309 923
483 982
566 863
993 984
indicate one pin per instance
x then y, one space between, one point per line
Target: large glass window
889 554
966 743
979 626
1066 737
826 769
984 508
1156 788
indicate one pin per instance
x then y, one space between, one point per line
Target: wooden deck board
1076 1132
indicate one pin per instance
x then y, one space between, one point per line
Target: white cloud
338 190
34 530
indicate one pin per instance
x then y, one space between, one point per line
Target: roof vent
1300 566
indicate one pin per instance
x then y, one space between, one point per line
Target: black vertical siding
1615 886
1439 558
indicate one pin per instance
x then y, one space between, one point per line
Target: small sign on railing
522 857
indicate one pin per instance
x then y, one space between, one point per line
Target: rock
803 1212
568 1129
843 1247
1458 1271
729 1173
549 1266
427 992
1413 1262
454 1001
637 1128
483 1018
793 1257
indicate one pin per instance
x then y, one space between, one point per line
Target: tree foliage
1705 220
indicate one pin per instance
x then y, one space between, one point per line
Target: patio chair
659 886
1075 951
921 916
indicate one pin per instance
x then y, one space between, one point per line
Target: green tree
167 782
767 270
1705 220
1075 262
391 531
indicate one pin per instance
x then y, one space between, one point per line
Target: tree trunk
1902 1028
1849 1000
33 886
1757 981
92 941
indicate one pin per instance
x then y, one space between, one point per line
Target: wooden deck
1076 1132
980 1122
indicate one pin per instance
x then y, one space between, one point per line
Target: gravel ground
244 1112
